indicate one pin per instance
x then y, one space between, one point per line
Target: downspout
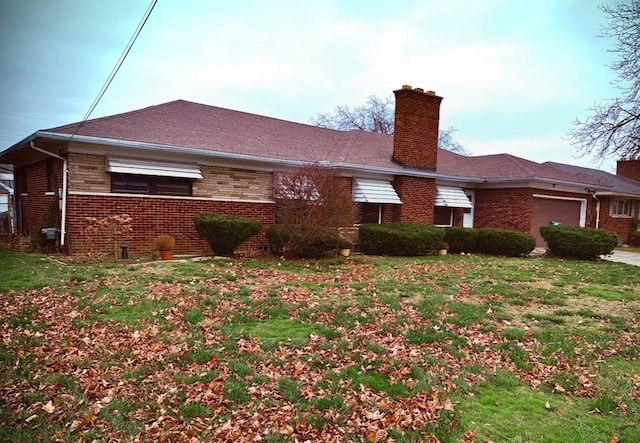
597 210
65 173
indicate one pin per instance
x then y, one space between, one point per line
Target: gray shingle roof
185 124
191 125
614 183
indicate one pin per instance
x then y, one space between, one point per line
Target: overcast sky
514 74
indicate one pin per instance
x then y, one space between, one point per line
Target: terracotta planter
166 255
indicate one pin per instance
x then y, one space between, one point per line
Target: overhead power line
121 60
28 116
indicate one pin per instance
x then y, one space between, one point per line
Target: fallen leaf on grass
49 408
559 389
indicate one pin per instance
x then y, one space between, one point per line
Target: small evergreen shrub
577 242
403 239
278 236
225 233
495 241
296 241
319 245
461 239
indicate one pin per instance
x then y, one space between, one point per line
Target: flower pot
166 255
345 252
442 252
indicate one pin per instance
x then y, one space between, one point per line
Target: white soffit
374 191
145 167
452 197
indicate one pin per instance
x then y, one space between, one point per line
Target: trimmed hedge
404 239
294 241
577 242
494 241
278 236
461 239
225 233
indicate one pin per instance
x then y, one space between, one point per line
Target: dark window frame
442 212
52 184
151 185
371 213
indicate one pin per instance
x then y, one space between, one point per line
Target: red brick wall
32 202
417 195
619 225
503 208
458 216
153 217
629 169
415 138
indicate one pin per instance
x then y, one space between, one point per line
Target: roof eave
546 180
18 145
616 194
252 158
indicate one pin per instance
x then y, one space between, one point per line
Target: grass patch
272 333
194 410
610 294
323 347
376 381
507 414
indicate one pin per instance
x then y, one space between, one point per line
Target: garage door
567 212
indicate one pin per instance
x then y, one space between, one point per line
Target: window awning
145 167
452 197
374 191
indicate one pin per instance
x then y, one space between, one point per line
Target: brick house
165 164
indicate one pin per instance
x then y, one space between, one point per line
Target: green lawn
443 348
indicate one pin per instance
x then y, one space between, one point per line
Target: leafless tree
613 129
312 202
376 115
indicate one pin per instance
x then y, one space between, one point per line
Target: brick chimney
415 137
629 168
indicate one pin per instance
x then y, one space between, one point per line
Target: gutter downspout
597 210
65 173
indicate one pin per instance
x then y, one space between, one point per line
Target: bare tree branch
376 115
613 129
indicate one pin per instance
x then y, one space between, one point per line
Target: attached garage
565 210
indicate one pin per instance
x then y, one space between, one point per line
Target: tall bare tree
613 129
376 115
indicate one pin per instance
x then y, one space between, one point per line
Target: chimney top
410 88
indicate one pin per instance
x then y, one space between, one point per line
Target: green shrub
319 245
577 242
278 236
461 239
405 239
225 233
495 241
296 241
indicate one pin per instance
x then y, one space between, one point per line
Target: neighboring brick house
164 164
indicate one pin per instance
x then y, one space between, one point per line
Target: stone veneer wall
222 190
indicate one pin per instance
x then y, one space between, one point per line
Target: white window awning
374 191
145 167
452 197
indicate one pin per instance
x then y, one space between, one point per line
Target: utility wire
116 68
27 116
